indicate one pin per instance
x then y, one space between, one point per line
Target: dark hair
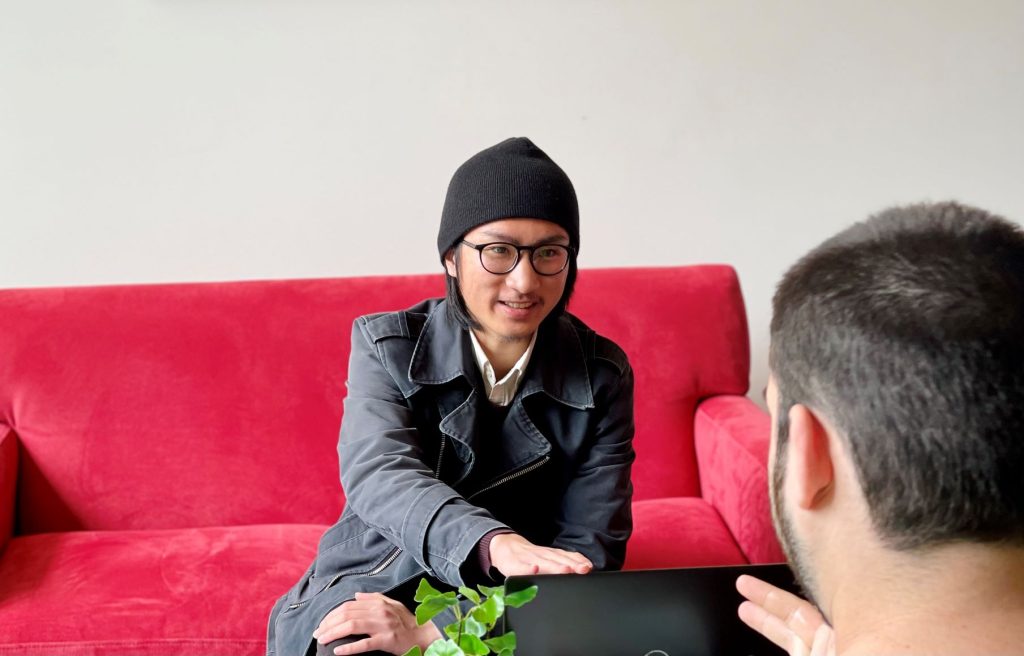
456 305
907 332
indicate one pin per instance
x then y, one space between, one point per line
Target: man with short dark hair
486 434
897 397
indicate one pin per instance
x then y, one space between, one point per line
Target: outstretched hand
514 555
387 624
787 620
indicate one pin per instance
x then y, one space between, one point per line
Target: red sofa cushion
685 331
732 441
679 532
148 593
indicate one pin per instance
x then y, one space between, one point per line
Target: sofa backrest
166 406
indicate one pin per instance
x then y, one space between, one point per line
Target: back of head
907 332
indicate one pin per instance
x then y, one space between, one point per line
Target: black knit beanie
513 179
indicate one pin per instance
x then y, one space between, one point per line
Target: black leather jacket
418 496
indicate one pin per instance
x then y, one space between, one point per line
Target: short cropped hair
907 332
456 305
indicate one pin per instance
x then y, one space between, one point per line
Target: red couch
167 452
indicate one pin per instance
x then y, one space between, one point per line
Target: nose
523 278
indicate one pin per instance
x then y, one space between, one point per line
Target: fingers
358 647
772 628
374 622
535 562
798 614
513 555
784 618
366 615
377 596
762 593
354 626
558 561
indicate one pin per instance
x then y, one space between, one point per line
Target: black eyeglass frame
479 248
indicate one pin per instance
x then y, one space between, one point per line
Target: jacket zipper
508 477
397 550
440 456
387 561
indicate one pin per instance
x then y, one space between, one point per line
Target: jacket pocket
350 547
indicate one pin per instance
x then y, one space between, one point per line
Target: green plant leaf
433 605
502 643
489 591
517 599
444 648
488 612
414 651
469 627
498 595
473 646
470 593
474 628
425 591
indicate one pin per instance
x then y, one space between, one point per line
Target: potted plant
471 634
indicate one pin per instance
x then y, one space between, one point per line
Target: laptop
666 612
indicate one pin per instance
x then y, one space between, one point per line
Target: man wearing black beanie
485 434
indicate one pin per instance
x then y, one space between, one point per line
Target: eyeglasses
546 259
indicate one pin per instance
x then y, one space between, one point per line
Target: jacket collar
558 366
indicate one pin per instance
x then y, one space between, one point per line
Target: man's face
509 307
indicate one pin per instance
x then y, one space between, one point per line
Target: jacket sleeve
596 516
385 477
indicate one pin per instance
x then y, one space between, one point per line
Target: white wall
177 140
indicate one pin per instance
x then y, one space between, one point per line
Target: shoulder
598 350
404 324
390 338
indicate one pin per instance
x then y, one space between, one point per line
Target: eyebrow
511 240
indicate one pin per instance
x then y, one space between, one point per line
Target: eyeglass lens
547 260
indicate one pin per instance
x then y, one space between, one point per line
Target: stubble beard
795 552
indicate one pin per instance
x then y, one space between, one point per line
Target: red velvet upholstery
679 532
732 437
8 478
147 592
167 452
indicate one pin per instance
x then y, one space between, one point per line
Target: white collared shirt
501 392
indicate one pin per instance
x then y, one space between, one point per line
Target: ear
449 264
808 460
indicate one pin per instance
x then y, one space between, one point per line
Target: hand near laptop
784 618
385 624
389 626
514 555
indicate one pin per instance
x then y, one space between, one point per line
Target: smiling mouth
518 306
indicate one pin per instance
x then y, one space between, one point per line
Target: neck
954 599
502 352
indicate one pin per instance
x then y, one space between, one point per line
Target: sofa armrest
8 482
731 436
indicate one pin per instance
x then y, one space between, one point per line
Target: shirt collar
443 352
501 392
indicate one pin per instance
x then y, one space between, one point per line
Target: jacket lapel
558 368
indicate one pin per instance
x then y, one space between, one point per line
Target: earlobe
809 461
